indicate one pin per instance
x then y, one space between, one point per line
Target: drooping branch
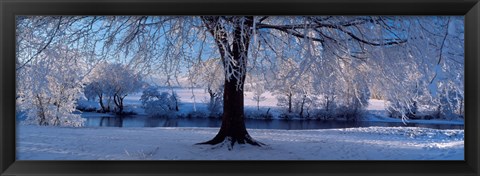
219 34
441 51
44 46
289 29
318 24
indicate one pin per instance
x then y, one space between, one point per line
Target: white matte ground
108 143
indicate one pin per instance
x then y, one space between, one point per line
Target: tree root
230 141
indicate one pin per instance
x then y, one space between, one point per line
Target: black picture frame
10 8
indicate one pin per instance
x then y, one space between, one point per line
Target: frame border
10 8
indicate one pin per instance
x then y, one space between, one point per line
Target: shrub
159 103
215 104
259 115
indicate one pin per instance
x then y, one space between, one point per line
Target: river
146 121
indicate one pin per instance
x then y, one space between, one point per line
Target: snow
269 102
374 104
107 143
377 113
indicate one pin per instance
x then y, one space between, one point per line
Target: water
145 121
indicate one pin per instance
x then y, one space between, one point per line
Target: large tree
233 37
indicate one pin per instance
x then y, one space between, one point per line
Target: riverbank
374 112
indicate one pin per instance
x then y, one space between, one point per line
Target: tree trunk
327 104
233 124
120 106
118 100
301 106
258 104
115 101
41 113
57 119
212 97
109 101
290 102
176 105
233 128
100 100
175 99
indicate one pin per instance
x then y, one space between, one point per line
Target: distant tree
159 103
293 88
286 83
258 91
113 82
209 74
215 103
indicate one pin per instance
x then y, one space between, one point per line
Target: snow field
372 143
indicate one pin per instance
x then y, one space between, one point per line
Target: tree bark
233 128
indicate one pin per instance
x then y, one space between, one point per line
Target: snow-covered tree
286 84
418 75
258 91
112 82
293 87
159 103
49 88
209 74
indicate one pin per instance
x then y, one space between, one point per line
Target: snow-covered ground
373 143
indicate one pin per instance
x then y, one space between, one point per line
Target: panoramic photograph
240 88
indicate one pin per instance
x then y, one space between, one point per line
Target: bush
323 114
215 104
259 115
341 112
202 114
159 103
349 113
426 112
288 116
